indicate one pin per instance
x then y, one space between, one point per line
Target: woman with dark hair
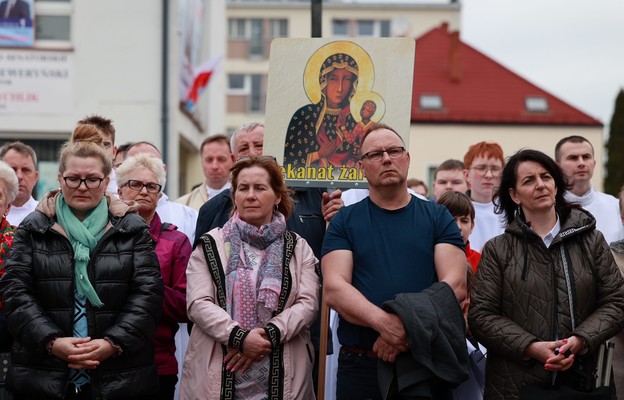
82 289
547 291
252 295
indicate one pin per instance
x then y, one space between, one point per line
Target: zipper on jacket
569 289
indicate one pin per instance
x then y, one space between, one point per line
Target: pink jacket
173 250
202 371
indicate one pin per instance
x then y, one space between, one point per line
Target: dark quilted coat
38 290
520 296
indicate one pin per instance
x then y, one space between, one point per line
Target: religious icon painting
324 94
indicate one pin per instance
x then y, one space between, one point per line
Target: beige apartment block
252 25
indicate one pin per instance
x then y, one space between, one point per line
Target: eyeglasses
483 169
377 155
73 182
137 186
258 158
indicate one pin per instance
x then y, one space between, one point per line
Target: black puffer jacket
520 296
38 292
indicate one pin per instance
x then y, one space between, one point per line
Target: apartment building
253 24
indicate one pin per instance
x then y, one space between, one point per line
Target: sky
571 48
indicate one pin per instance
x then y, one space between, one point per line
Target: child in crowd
473 387
461 208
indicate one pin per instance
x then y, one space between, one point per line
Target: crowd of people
503 284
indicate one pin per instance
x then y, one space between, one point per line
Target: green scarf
83 236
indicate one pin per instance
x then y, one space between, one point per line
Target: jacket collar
45 218
155 228
579 221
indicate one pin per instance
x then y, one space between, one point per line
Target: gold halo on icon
366 69
360 97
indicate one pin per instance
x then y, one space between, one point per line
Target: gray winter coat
521 296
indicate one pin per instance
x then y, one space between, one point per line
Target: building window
366 28
384 28
340 27
252 86
279 28
430 102
236 28
256 39
52 27
237 84
53 19
536 104
363 27
256 98
250 30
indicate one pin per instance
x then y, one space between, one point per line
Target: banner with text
35 82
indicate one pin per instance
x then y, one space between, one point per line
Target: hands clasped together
556 355
82 353
256 346
392 339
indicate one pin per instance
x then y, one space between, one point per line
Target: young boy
461 208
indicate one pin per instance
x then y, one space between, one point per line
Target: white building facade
123 60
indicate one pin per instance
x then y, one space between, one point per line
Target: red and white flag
201 77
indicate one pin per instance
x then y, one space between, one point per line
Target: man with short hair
388 244
107 132
23 160
483 165
449 177
575 156
178 214
120 155
216 160
248 139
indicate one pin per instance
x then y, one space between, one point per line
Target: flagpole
323 347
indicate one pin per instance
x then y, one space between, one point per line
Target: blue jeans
357 378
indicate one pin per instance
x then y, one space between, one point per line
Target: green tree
615 149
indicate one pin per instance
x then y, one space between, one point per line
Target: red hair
485 150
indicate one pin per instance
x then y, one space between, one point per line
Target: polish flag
201 77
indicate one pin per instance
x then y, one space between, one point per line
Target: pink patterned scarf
251 306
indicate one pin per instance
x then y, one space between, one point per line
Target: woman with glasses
141 179
548 292
252 295
82 289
